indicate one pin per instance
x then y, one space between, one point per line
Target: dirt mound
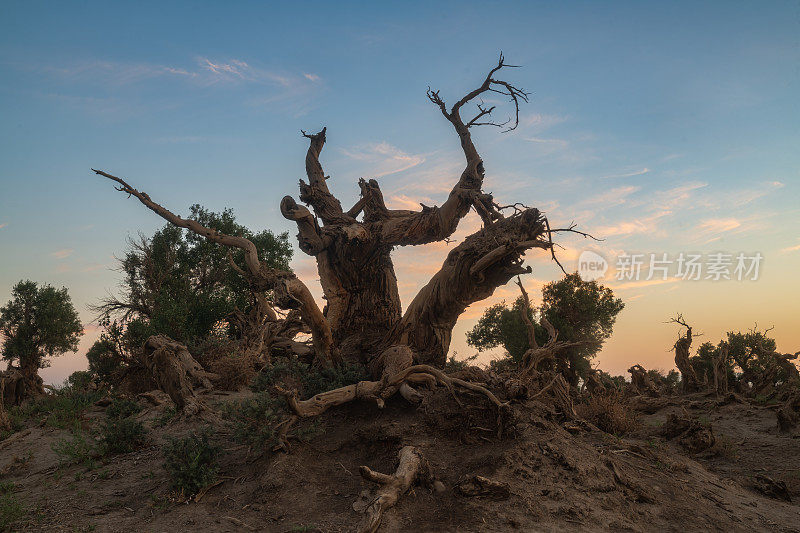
545 474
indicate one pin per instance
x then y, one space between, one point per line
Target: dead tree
362 319
641 382
682 347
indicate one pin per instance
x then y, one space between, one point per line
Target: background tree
181 285
580 311
710 357
37 323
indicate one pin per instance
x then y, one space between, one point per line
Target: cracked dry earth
556 476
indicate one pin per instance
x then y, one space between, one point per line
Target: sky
662 128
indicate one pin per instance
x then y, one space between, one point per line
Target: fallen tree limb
413 468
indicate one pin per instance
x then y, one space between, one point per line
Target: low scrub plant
191 461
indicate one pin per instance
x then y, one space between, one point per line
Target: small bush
191 462
61 408
78 449
254 419
308 380
609 412
122 408
164 418
457 365
122 435
233 365
10 509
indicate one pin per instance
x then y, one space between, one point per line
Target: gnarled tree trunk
362 319
689 381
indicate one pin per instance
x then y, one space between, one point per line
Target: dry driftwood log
176 372
413 469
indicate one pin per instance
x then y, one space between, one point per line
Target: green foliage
10 509
581 311
456 365
752 352
254 419
111 352
122 408
38 322
122 435
179 284
668 381
79 380
192 462
164 418
703 362
79 448
306 379
61 408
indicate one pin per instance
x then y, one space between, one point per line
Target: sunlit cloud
311 77
401 201
715 226
3 225
612 197
63 254
794 248
644 225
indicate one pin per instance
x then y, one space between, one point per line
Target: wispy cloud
638 226
540 121
401 201
62 254
116 73
631 174
3 225
794 248
383 158
612 197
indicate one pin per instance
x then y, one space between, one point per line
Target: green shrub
457 365
191 462
306 379
78 449
10 509
122 408
164 418
122 435
254 419
61 408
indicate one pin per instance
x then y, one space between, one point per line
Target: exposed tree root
483 486
413 468
397 377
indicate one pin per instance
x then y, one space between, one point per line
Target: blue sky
663 127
